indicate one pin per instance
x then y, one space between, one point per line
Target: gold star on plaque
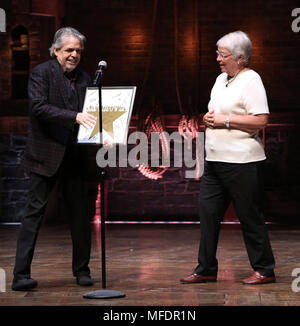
108 118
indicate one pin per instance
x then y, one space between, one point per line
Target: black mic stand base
104 294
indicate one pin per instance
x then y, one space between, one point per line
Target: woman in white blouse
238 109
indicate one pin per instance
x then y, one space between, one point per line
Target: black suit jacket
52 116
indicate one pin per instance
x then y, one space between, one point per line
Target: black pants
220 184
72 185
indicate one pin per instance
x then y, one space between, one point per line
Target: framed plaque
117 104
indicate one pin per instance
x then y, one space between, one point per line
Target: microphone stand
102 294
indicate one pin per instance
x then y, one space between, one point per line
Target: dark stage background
167 49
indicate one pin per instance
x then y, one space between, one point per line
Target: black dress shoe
84 280
23 284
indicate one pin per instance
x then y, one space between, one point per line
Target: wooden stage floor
146 262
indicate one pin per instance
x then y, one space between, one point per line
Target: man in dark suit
56 92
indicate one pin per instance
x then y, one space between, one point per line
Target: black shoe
84 280
23 284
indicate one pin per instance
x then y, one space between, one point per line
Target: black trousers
220 184
72 185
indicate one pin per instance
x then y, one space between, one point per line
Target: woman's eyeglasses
222 55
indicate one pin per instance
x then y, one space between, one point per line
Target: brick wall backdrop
137 39
132 196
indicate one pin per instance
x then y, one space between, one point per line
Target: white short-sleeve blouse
244 95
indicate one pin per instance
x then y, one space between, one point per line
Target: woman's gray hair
238 43
58 40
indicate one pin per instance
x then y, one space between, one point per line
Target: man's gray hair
59 36
238 43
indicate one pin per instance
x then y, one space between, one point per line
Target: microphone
102 65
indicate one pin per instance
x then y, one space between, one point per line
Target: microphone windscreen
103 64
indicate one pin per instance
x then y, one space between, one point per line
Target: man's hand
86 120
